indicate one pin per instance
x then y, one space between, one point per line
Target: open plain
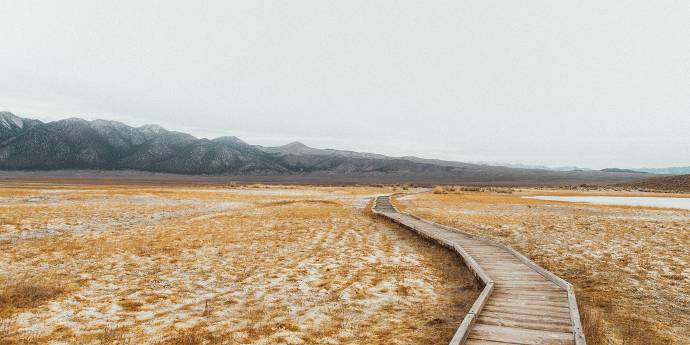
218 264
104 263
629 265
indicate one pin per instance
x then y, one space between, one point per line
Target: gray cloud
588 83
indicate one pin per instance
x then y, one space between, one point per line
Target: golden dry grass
218 265
630 265
20 293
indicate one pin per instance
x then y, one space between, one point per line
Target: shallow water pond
662 202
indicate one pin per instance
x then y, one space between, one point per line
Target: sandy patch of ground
264 265
630 265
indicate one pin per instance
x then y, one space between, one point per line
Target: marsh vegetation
226 264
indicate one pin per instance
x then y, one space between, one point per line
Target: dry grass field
106 264
630 265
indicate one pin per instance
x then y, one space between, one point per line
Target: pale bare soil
104 264
630 265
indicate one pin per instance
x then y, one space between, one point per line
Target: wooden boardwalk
521 303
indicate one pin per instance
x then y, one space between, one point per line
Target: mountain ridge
75 143
668 183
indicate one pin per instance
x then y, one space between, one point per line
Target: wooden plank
522 290
521 308
540 284
491 251
505 267
563 320
524 272
534 291
518 276
525 311
529 284
505 264
530 305
558 297
520 335
526 292
487 342
527 302
542 326
494 271
488 251
514 275
536 310
496 258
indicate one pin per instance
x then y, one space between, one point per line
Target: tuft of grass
193 336
114 336
196 336
9 335
28 293
131 305
6 326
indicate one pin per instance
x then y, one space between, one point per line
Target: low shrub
439 190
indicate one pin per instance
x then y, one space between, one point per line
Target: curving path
521 303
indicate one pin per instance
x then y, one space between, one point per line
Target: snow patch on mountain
9 120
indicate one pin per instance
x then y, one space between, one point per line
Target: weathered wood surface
521 302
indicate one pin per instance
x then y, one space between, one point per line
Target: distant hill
667 171
532 166
618 170
658 171
677 183
77 144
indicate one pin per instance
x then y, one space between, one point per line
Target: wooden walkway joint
521 302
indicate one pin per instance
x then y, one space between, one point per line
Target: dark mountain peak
152 128
71 122
295 145
107 123
230 140
295 148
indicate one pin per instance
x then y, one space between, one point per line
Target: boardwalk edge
463 330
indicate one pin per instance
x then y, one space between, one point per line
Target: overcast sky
586 83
